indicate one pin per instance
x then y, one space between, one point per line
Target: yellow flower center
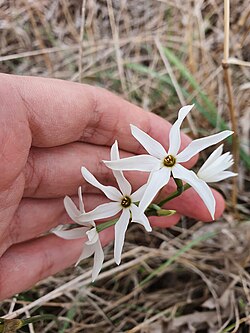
126 202
169 161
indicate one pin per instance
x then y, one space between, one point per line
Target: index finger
60 112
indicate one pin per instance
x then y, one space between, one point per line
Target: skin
48 130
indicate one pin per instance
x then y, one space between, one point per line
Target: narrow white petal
220 164
81 205
98 260
87 251
124 185
73 212
101 212
229 161
175 134
212 158
111 192
71 208
139 163
218 177
140 218
152 146
92 235
114 152
71 233
224 158
199 186
200 144
120 230
215 168
158 179
138 194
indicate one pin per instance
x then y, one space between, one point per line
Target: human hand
48 130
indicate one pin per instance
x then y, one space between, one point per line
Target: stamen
126 202
169 161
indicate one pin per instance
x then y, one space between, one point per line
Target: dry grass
203 284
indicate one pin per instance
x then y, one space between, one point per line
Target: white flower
162 163
213 170
93 244
122 200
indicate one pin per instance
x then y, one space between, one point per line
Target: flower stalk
175 194
100 227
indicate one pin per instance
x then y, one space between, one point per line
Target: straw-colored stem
115 35
231 104
81 39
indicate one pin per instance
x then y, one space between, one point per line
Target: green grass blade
209 111
171 260
70 315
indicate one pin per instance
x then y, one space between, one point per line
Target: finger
164 221
190 204
55 172
60 112
35 217
9 202
26 263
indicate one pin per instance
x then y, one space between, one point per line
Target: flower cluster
137 206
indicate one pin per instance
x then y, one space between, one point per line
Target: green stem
37 318
105 225
175 194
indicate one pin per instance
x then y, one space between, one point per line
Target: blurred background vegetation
158 54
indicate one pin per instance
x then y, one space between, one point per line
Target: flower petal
73 212
71 208
87 251
92 235
140 218
120 230
124 185
98 260
81 205
175 134
157 180
100 212
138 194
212 158
140 163
222 163
217 178
152 146
71 233
200 144
199 186
111 192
